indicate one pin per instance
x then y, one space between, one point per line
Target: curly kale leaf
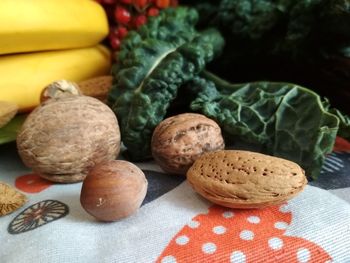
152 64
287 27
287 120
143 49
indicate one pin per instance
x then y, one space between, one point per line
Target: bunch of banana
42 41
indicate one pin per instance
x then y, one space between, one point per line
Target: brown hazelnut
113 190
179 140
62 139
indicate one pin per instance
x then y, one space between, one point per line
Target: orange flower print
341 145
32 183
227 235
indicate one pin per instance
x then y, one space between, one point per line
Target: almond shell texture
243 179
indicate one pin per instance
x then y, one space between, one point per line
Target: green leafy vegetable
344 125
168 56
8 133
288 120
283 40
151 66
293 27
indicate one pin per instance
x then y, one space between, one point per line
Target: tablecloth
174 224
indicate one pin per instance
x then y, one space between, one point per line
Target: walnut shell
62 139
179 140
243 179
113 190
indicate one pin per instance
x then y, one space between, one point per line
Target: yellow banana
36 25
24 76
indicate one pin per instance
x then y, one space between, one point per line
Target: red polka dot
32 183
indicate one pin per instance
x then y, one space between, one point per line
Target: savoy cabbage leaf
288 120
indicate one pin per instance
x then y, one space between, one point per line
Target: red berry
140 4
162 3
128 2
122 15
140 20
122 32
174 3
107 2
113 31
115 43
153 11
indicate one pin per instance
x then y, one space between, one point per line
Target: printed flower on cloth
32 183
226 235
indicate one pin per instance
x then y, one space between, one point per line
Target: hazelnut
113 190
62 139
179 140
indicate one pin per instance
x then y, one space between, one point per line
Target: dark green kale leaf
147 46
303 42
344 125
286 119
287 27
151 66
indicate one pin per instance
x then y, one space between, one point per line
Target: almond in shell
243 179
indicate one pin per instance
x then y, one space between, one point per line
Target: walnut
179 140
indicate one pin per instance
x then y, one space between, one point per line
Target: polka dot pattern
193 224
228 214
219 230
284 208
237 257
303 255
242 236
275 243
281 225
253 219
209 248
182 240
246 235
168 259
